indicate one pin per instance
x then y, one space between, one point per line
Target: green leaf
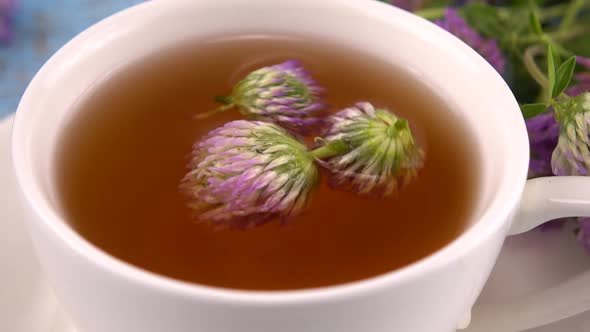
535 23
563 76
555 49
531 110
550 69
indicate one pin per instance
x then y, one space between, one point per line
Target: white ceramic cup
102 293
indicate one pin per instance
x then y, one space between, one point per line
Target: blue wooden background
40 28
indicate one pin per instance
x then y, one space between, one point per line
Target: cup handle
551 198
544 199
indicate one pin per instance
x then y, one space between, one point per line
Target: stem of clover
553 87
536 73
566 31
532 67
555 38
329 149
228 103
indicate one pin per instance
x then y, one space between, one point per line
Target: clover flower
284 94
382 155
248 172
572 154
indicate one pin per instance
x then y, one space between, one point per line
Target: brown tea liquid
123 156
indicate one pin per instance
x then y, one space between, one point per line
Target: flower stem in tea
220 109
284 94
330 149
248 172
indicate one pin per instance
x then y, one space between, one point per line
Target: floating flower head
487 48
583 78
572 154
382 155
284 94
248 172
543 131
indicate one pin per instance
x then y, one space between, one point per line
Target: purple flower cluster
382 154
559 138
584 232
285 94
487 48
248 172
565 151
543 131
583 79
563 147
6 9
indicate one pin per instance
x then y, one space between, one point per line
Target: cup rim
496 215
